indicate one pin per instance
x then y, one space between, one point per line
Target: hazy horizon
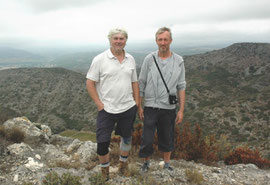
139 48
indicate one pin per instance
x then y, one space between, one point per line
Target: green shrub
266 118
53 178
97 179
245 119
249 129
241 123
204 103
228 114
28 183
2 131
235 131
249 90
194 177
199 115
226 124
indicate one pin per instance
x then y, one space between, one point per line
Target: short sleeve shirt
114 81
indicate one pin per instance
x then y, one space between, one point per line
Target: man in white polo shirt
112 84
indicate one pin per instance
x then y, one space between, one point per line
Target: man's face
164 41
118 42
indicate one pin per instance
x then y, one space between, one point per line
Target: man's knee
125 144
103 148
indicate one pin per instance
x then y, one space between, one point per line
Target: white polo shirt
114 81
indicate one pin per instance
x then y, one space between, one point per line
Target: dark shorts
162 120
106 124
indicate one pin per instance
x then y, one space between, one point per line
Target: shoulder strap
161 74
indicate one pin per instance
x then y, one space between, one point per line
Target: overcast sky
87 22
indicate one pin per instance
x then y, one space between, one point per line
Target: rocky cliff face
43 152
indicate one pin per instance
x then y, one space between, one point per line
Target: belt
155 108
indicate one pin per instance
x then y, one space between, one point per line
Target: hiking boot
145 167
123 168
105 172
167 167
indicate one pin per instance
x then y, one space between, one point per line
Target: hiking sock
104 165
123 158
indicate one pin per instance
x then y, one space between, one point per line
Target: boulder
33 135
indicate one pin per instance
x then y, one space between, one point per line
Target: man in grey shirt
159 113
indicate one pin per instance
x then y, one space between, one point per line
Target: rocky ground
41 153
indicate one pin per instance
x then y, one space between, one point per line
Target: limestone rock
33 135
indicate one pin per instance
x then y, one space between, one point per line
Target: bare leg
167 157
123 153
104 158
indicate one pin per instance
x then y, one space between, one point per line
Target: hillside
228 91
55 96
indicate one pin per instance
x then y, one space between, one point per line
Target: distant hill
81 61
74 60
239 57
54 96
7 53
228 91
15 58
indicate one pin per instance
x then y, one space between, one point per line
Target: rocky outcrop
32 159
29 163
33 134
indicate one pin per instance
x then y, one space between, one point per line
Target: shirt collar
111 56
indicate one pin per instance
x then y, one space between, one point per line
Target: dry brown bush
15 135
245 155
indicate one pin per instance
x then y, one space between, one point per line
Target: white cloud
75 22
52 5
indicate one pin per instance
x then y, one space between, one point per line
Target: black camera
173 99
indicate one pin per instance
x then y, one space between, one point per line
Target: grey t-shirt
151 85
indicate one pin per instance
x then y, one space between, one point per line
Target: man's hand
140 112
179 117
100 106
91 88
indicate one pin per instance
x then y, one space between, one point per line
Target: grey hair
162 30
116 31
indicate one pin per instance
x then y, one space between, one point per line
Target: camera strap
161 74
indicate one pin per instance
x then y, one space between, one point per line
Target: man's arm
142 84
180 113
140 109
92 91
135 88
